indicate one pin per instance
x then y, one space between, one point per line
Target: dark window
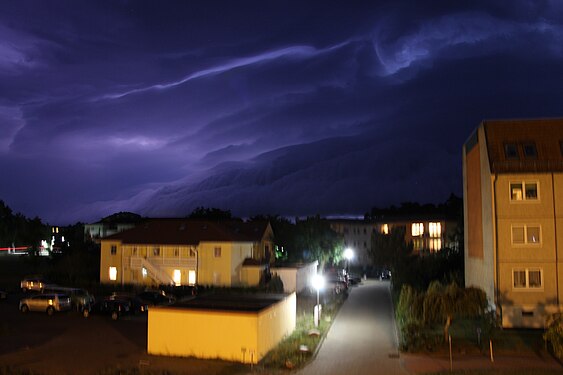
511 151
530 151
561 147
113 249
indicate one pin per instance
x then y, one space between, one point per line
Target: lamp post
318 284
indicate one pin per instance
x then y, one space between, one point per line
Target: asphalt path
362 338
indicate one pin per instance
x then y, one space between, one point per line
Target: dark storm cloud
289 108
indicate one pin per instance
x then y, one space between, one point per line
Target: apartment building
188 252
427 232
357 236
513 209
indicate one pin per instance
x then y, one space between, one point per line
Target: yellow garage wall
275 323
202 333
233 336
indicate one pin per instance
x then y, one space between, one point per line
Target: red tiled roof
545 134
191 232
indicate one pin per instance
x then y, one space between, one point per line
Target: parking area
68 343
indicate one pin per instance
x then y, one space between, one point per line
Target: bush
275 285
554 334
409 307
414 338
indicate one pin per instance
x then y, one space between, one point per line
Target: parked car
385 275
136 305
354 278
33 283
156 297
336 280
78 297
113 307
49 303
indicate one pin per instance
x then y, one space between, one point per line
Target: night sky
289 108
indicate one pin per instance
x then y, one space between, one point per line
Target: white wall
296 279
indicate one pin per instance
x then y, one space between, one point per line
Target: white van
79 297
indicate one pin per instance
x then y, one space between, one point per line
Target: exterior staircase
153 271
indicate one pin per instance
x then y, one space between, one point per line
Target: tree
285 233
316 240
214 214
390 250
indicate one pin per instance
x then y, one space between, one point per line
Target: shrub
554 334
414 337
275 284
409 307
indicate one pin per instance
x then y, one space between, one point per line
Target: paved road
362 339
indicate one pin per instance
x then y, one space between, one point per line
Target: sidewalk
423 363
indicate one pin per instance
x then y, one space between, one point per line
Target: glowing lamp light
348 253
318 282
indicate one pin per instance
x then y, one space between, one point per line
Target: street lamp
348 254
318 283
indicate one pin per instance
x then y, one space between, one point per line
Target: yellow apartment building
513 209
188 252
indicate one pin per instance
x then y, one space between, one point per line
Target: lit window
435 229
113 273
217 252
385 229
434 244
417 244
191 277
113 249
511 151
526 234
177 277
523 191
417 229
527 278
144 272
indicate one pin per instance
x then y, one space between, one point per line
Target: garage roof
231 302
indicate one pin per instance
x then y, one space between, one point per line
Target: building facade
187 252
357 236
513 210
427 233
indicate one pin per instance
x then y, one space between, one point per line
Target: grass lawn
466 340
287 355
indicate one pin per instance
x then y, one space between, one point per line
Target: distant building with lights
111 225
513 208
428 233
357 236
